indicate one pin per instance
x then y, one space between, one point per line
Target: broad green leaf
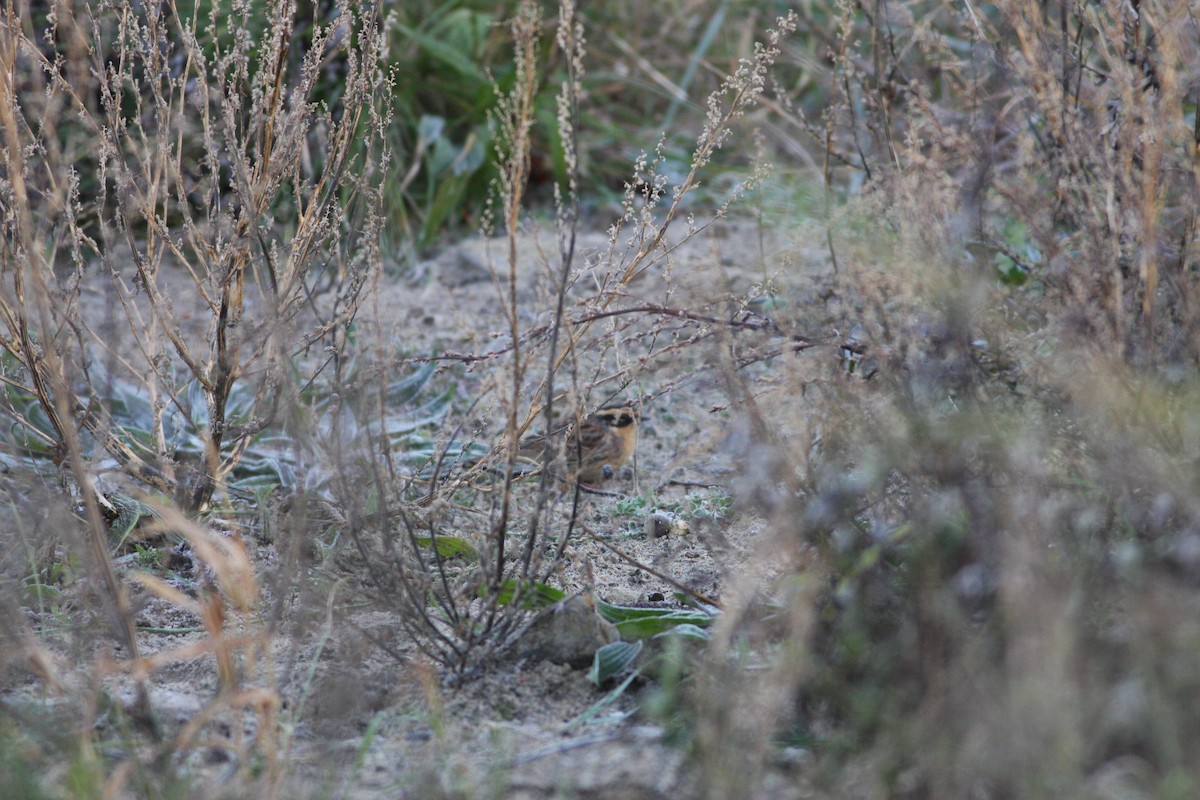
430 127
648 627
397 425
615 613
405 389
606 701
449 546
613 659
688 631
452 58
444 202
644 623
533 595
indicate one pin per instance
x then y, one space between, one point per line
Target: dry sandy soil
362 724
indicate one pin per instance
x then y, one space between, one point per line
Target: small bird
603 442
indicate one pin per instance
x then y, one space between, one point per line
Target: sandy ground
362 724
517 730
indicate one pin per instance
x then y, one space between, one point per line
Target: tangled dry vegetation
961 403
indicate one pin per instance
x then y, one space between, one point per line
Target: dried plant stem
47 370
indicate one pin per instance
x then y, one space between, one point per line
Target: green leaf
452 58
613 659
631 506
397 425
430 127
445 202
688 631
645 623
449 546
533 595
422 454
405 389
130 511
605 701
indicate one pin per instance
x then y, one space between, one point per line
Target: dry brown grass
978 530
151 151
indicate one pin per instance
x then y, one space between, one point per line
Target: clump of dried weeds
198 178
987 529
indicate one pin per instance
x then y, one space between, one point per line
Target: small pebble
664 523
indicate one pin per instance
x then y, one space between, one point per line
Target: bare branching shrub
190 214
465 562
221 169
